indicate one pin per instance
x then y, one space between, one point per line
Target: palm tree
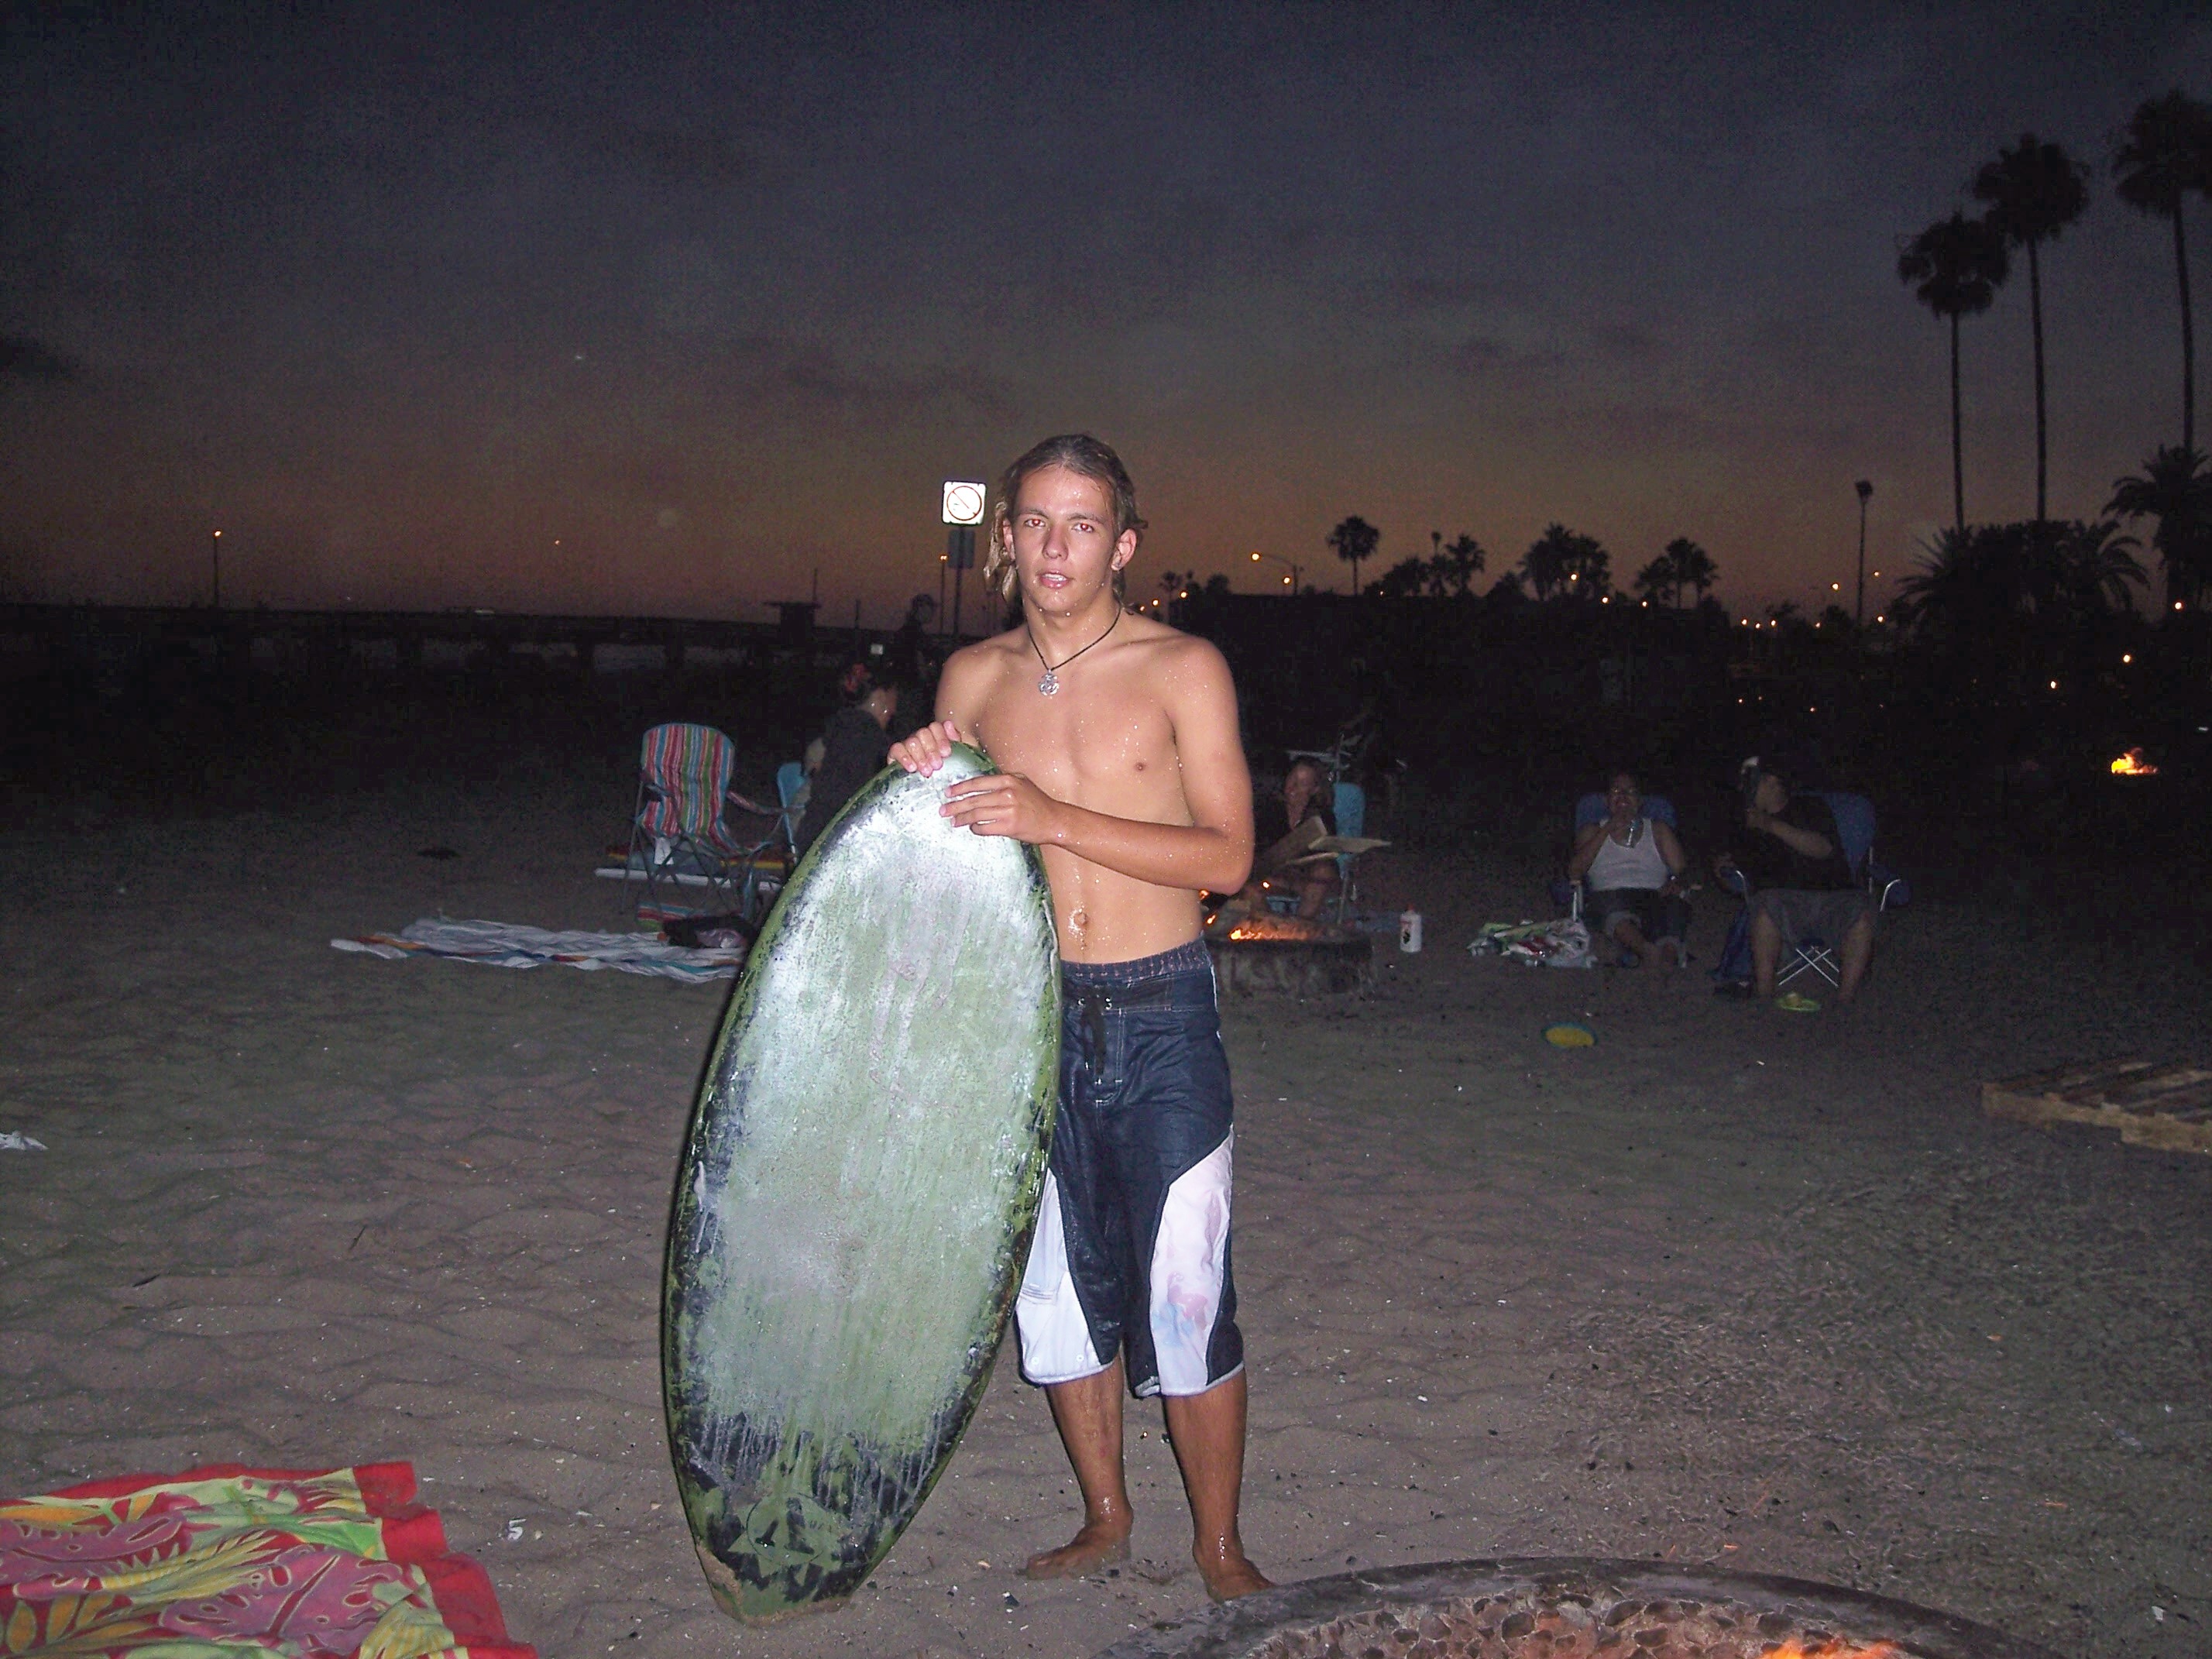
1956 266
2175 489
1402 581
1452 570
1542 564
1658 581
2034 190
1354 540
2007 604
2166 155
1560 560
1694 569
2095 572
1950 591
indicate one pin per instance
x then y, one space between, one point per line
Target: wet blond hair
1087 458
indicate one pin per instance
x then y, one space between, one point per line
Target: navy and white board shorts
1132 1246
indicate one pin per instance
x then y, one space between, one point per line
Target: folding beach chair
680 836
1855 829
1567 896
790 787
1348 811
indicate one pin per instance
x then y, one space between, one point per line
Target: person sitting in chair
1285 831
1631 868
1797 881
854 747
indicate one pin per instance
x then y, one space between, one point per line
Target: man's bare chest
1112 753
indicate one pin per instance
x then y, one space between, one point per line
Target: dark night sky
548 308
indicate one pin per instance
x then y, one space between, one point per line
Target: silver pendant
1049 684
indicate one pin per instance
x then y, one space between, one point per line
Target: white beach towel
505 944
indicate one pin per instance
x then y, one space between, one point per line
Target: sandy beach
1730 1287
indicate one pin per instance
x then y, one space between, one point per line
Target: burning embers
1287 954
2133 765
1282 929
1530 1625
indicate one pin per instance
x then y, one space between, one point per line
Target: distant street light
1292 579
215 570
1859 610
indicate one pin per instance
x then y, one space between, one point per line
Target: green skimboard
857 1193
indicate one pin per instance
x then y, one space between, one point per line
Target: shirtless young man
1121 764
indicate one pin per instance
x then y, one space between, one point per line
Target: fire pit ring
1567 1607
1291 956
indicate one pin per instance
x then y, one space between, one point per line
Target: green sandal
1789 1002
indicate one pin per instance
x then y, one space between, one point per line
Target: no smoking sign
963 503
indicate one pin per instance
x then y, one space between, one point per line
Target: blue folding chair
791 796
1855 829
1566 895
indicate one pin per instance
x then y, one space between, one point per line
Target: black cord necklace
1049 685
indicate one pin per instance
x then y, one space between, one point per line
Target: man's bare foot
1096 1546
1228 1578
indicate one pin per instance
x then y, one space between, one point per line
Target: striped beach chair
680 834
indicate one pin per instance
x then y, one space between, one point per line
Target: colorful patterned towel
337 1563
509 944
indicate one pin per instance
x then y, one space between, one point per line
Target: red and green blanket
335 1564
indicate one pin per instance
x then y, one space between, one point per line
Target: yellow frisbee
1568 1034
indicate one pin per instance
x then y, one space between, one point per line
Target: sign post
963 511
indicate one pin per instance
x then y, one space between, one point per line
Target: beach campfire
2133 765
1568 1630
1281 929
1266 952
1570 1608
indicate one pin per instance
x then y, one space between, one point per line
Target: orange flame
1281 929
2133 765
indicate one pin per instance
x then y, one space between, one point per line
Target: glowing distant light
1877 572
2176 604
2127 656
1881 618
1608 599
1838 587
2054 685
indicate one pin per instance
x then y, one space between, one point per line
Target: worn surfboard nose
856 1193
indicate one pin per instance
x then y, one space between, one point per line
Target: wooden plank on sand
2166 1104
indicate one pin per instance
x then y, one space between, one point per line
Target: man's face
1621 795
1772 794
1064 549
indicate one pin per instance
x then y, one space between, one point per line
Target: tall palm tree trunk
2188 338
2035 313
1958 447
